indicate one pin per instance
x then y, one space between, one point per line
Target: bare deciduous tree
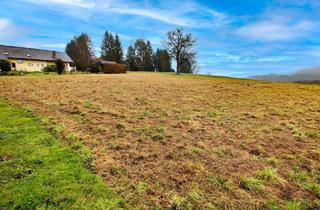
179 45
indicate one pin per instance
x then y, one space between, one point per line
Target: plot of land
163 140
37 172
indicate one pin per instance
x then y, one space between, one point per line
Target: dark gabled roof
103 62
107 62
32 54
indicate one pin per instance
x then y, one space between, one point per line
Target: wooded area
139 57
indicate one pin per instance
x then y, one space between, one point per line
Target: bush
95 67
49 69
59 66
5 66
15 73
114 68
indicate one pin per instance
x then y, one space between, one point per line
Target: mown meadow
173 141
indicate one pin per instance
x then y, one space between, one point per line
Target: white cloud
74 3
174 13
214 58
274 59
277 29
41 45
54 45
153 14
9 31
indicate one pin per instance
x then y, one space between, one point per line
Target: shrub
95 67
5 66
114 68
15 73
49 69
59 66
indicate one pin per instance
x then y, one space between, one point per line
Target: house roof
32 54
107 62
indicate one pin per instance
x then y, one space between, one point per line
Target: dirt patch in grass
166 141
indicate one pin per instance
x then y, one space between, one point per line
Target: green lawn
38 172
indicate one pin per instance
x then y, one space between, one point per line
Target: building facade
30 60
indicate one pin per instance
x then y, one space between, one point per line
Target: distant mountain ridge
308 75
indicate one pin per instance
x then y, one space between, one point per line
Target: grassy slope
37 172
188 142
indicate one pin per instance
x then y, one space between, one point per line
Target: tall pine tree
131 59
144 58
139 48
118 51
107 52
111 48
148 57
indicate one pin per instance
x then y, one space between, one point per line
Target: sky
238 38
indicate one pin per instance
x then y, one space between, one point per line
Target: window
19 61
38 65
42 65
30 64
13 65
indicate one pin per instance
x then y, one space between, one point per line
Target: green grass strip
38 172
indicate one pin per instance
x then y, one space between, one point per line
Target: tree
95 66
139 48
148 59
179 45
107 52
143 53
5 66
118 50
162 61
188 65
131 59
111 48
59 66
80 50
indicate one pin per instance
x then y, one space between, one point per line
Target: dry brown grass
163 140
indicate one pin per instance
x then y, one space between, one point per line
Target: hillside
308 75
162 140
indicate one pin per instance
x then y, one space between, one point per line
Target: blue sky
234 37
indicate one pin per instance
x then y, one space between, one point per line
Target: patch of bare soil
166 141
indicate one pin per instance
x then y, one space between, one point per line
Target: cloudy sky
234 37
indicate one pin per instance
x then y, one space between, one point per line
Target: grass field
188 142
37 172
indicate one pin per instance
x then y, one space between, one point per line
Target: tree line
140 56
